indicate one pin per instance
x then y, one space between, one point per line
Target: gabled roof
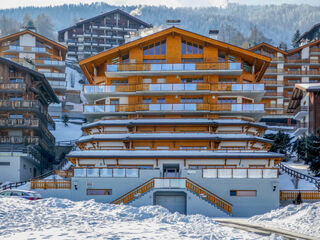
106 14
62 47
306 32
267 45
261 61
304 46
53 97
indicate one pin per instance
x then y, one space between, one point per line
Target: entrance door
171 170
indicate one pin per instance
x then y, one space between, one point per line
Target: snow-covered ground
67 133
304 218
64 219
286 183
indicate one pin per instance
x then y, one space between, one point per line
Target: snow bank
64 219
304 218
67 133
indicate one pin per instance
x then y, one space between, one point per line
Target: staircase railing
190 185
209 196
294 173
134 193
13 185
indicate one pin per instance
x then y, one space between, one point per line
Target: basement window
243 193
99 191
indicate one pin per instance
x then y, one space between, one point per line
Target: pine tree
281 143
26 19
295 38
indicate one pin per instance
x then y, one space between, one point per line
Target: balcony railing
19 140
274 71
27 104
291 61
26 49
303 72
176 107
275 94
273 83
5 122
305 194
58 84
172 87
12 86
240 173
269 105
55 75
50 63
173 67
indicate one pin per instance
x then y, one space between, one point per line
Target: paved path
243 224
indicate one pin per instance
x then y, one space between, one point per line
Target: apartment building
94 35
313 34
172 122
305 106
287 68
27 146
41 54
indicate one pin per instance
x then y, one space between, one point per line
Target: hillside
277 22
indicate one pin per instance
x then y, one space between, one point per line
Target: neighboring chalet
27 146
311 35
172 123
305 105
287 68
41 54
97 34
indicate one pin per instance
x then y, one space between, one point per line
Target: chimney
173 22
214 34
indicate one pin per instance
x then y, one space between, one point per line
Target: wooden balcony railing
13 86
301 61
209 196
87 89
273 83
274 71
50 184
15 122
65 173
274 94
270 105
305 194
173 87
303 72
237 87
19 140
26 49
315 50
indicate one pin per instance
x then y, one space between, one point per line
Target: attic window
191 48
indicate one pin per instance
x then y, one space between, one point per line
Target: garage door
174 203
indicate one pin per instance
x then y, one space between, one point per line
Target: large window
192 100
157 48
188 47
191 80
227 100
99 191
243 193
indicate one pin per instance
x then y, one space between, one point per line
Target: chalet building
287 68
305 106
172 122
41 54
311 35
27 146
97 34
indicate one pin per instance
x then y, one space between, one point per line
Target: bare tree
8 25
45 26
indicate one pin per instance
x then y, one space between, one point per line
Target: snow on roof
132 136
175 154
172 121
308 86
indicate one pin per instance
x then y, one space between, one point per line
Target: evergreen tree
45 26
65 119
26 19
299 146
281 143
8 25
295 38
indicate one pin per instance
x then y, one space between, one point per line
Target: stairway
190 186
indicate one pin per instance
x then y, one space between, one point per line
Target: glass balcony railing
27 49
54 75
60 84
172 87
187 107
50 63
158 67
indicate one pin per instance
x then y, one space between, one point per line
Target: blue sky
171 3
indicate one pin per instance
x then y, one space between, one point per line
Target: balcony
61 85
12 87
19 123
277 59
301 112
173 88
163 69
310 73
274 71
315 51
273 106
273 95
300 129
49 63
19 140
273 83
301 62
27 105
26 49
55 75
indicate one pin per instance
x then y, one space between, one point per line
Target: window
154 61
15 98
193 148
192 60
99 191
161 100
4 163
190 48
125 59
227 80
146 100
157 48
221 56
9 56
191 100
243 193
257 166
114 101
231 58
227 100
191 80
119 82
16 80
15 116
39 44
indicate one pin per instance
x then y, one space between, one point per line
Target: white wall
27 40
